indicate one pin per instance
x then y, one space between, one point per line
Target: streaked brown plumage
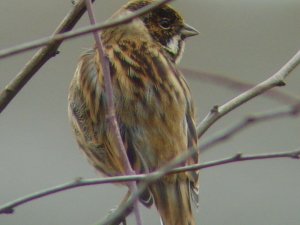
153 106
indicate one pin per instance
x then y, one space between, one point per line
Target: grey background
248 40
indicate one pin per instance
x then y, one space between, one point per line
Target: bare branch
41 56
278 79
79 32
228 133
79 182
111 116
235 84
239 157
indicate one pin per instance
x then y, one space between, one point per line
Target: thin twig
41 56
79 182
9 207
278 79
239 157
79 32
250 120
238 85
111 116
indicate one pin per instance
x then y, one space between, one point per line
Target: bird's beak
188 31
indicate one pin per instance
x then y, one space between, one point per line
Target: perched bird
153 105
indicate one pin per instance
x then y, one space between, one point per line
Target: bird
153 106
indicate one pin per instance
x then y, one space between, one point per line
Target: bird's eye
165 23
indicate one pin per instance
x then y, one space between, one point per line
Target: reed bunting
153 106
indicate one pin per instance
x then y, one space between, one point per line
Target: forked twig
278 79
79 182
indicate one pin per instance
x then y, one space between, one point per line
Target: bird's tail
172 199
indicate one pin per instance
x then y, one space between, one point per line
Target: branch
239 157
8 208
249 121
111 115
79 32
278 79
41 56
239 85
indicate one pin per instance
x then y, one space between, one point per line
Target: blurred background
245 40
